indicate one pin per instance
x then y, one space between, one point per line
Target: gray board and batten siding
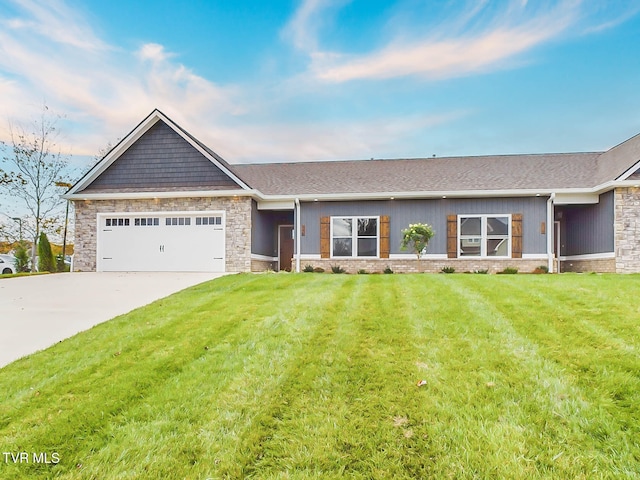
587 229
432 211
161 160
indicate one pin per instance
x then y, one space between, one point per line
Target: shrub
308 268
318 270
541 269
362 271
62 267
22 258
482 271
337 269
447 270
510 271
45 255
388 270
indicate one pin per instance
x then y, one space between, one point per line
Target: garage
161 242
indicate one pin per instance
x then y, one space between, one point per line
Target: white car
7 264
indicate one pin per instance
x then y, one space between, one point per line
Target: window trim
354 236
483 235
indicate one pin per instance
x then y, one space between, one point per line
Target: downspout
550 233
297 230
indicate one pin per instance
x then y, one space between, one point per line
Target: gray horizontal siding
588 229
162 159
434 212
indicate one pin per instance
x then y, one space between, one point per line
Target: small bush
541 269
388 270
308 268
447 270
22 258
510 271
337 269
362 271
45 256
318 270
482 271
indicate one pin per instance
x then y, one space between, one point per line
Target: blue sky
329 79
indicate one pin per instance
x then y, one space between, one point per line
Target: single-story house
161 200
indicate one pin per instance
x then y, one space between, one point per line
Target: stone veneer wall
627 229
601 265
238 225
263 265
430 266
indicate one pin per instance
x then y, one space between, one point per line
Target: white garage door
161 242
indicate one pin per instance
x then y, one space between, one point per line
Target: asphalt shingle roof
498 172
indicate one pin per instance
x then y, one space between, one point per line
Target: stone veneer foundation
600 265
429 266
237 228
627 229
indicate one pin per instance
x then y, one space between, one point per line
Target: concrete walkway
39 311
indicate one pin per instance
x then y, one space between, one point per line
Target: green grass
314 376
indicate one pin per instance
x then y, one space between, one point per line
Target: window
178 221
484 235
354 236
117 222
208 220
146 222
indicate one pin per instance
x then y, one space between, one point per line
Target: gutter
550 234
297 230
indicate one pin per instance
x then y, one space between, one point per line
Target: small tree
29 169
45 255
417 238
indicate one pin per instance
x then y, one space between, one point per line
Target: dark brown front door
286 247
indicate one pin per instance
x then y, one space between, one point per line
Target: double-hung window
484 235
355 236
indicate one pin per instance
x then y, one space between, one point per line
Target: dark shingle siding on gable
162 160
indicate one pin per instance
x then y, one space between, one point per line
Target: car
7 264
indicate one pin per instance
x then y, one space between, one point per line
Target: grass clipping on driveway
315 376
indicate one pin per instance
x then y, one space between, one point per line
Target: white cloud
482 37
304 26
324 140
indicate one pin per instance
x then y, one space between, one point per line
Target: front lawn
315 376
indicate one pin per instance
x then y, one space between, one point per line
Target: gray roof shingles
446 174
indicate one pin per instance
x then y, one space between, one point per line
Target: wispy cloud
483 37
303 28
330 140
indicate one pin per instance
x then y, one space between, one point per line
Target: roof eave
162 194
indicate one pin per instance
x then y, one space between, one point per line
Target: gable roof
159 156
620 161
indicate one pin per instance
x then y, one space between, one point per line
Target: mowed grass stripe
336 413
314 376
574 412
84 406
200 418
605 368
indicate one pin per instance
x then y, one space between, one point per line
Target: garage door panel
163 242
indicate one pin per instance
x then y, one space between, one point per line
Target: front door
285 250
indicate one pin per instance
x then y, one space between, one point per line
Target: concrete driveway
37 312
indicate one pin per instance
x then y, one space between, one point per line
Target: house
161 200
